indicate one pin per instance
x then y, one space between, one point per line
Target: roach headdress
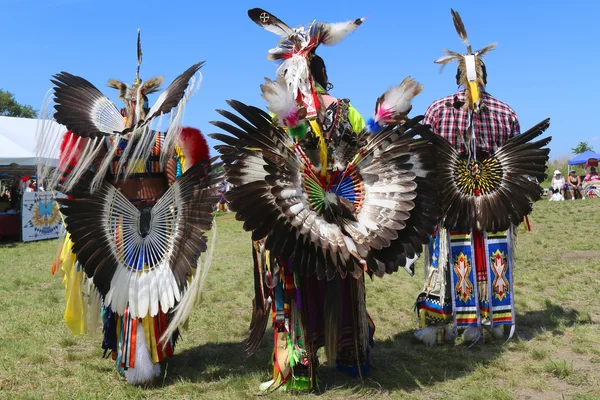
470 65
296 48
85 111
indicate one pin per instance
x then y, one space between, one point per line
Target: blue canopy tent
583 157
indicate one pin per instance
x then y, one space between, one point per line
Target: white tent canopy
18 140
10 153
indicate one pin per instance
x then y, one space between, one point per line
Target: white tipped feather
133 296
351 246
170 296
145 371
153 286
143 292
280 101
288 193
367 222
163 286
176 290
310 220
396 102
337 31
297 208
324 235
116 286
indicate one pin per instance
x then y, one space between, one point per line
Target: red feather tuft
68 154
194 146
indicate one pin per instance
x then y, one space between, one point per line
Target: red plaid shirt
495 123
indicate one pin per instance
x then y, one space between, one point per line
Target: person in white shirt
558 187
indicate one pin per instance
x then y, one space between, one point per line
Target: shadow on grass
9 243
400 362
213 361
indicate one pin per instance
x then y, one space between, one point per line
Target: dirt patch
581 255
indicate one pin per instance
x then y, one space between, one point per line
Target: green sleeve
356 120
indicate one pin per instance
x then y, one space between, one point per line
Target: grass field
555 353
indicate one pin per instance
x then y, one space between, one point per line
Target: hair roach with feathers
470 65
295 49
92 117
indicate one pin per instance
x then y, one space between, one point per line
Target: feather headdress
295 49
93 118
470 65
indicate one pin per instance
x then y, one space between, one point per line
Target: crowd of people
12 191
574 186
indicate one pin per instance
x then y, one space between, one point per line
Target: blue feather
373 126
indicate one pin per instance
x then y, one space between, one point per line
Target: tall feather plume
460 28
139 49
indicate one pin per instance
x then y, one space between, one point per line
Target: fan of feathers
495 193
368 204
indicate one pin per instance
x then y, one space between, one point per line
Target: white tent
18 140
10 153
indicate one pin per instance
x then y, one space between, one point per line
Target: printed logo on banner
41 216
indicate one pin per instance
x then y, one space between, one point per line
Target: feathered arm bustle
282 103
394 105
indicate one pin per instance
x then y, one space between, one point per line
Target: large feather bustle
506 189
270 195
393 106
179 220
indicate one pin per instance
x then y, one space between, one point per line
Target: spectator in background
574 183
557 187
592 175
15 195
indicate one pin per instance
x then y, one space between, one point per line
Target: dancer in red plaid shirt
494 125
488 177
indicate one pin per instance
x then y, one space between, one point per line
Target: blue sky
546 63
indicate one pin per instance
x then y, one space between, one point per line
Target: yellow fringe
322 147
148 323
74 314
181 156
474 86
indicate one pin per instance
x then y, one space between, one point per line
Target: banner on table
40 216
